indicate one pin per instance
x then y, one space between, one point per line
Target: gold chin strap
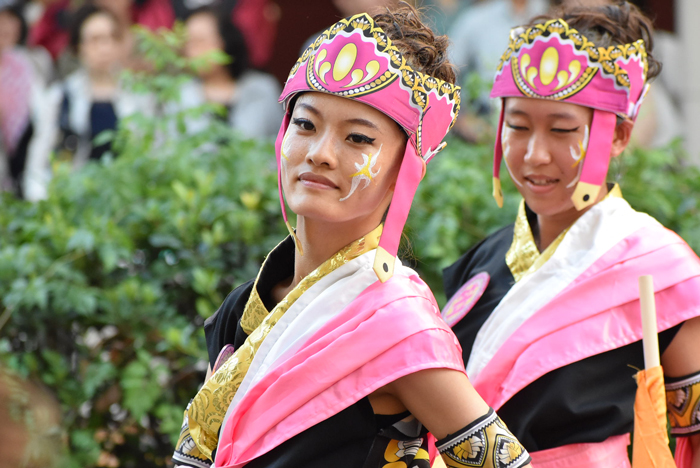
498 192
683 403
292 233
486 442
585 195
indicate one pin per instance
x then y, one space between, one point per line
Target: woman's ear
621 138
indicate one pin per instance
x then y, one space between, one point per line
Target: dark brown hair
618 23
423 50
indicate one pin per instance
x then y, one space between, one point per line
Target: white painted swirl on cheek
364 172
505 144
579 156
284 151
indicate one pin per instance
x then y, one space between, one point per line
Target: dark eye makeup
304 124
360 138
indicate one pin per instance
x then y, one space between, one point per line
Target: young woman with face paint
547 309
335 355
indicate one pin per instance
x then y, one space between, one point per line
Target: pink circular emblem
463 301
225 353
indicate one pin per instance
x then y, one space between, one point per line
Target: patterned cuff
486 442
683 404
187 454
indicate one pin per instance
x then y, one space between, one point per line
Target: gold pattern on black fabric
523 257
683 405
486 443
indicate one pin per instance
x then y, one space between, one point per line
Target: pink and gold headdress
554 61
355 59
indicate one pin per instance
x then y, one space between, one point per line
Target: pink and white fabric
554 61
355 59
598 309
347 355
16 78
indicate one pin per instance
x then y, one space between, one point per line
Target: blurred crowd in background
61 62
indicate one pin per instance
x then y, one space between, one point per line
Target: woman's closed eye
359 138
304 124
565 130
516 127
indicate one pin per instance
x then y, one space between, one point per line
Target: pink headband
554 61
355 59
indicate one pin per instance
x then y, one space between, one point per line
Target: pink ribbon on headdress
356 60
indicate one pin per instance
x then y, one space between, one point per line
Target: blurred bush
106 284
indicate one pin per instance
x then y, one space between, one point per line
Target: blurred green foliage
106 284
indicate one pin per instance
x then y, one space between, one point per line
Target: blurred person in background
248 96
152 14
51 29
479 36
256 19
20 84
13 34
86 103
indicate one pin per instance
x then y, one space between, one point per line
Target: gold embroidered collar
523 257
255 310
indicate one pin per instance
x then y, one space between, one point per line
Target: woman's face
202 37
10 30
544 144
100 48
340 159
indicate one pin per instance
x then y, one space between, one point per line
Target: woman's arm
442 399
682 358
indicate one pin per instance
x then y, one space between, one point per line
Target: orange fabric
650 448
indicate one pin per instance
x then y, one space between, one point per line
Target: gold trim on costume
205 414
524 257
683 403
486 443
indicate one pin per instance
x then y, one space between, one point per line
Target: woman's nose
323 152
537 151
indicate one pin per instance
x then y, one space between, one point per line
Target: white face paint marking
285 146
579 156
364 172
505 144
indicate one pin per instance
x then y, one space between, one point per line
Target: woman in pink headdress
547 309
336 355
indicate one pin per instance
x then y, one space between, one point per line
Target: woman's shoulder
220 329
491 248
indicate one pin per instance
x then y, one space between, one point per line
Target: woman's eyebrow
562 115
310 108
554 115
363 122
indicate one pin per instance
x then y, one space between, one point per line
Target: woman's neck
103 85
550 227
319 242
